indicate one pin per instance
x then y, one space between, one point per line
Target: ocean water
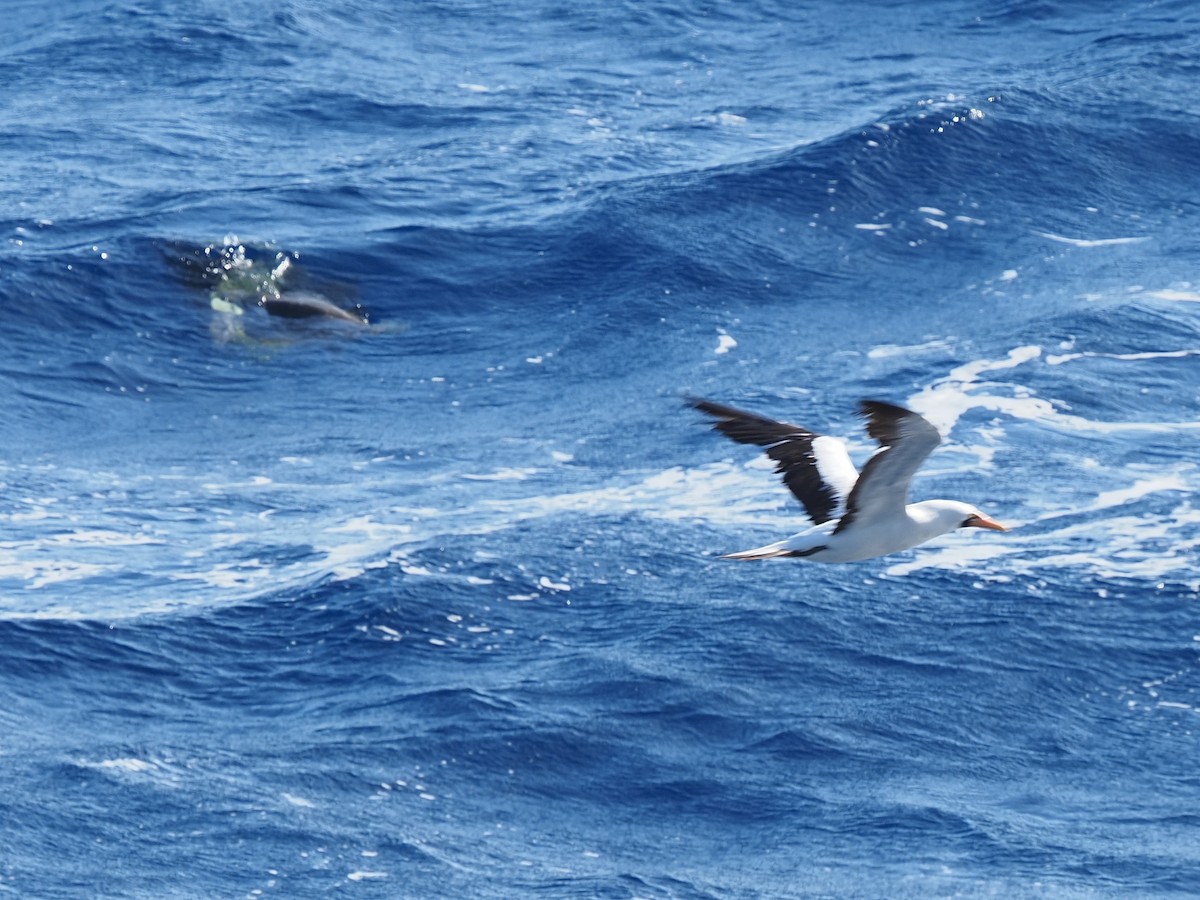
432 606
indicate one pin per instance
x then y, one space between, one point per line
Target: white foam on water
1166 481
1058 360
1127 548
126 764
366 876
1176 296
886 351
1134 539
39 573
964 388
507 474
158 772
215 543
723 491
945 401
1084 242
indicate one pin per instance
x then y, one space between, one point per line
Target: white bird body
921 522
856 516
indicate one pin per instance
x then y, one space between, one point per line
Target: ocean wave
272 531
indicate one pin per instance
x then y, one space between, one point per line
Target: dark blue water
431 606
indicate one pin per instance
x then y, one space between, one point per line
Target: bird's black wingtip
868 409
716 410
888 423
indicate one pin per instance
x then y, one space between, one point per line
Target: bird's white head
951 514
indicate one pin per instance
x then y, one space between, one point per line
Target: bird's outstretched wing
815 467
905 439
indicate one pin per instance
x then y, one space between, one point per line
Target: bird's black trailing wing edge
791 446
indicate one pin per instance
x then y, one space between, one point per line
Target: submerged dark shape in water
240 277
306 305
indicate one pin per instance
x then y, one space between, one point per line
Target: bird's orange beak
981 521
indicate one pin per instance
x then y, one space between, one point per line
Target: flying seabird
855 516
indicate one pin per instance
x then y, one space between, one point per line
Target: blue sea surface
432 606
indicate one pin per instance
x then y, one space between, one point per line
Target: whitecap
1084 242
1184 296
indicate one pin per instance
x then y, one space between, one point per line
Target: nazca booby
855 516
